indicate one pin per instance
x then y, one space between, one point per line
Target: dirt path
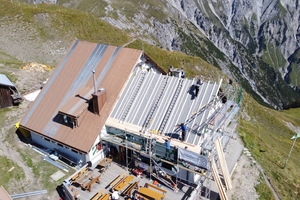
244 179
275 194
9 145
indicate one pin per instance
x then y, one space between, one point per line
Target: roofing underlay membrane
162 102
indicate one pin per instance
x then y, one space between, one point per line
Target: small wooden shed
9 95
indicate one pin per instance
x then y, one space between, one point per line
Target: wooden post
290 152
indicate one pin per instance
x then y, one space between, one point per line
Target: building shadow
22 137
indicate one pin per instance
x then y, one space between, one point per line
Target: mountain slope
266 133
45 25
254 42
43 33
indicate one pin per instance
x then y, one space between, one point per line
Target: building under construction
113 104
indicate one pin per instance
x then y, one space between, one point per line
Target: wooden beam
223 164
217 179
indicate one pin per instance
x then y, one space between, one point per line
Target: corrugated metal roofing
5 81
70 87
161 102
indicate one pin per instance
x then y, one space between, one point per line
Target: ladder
196 114
132 98
199 128
154 105
171 105
165 179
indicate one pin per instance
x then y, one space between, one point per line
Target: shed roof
70 87
5 81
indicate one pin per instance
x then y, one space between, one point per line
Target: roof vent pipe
95 90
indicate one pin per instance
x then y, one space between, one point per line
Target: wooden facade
6 99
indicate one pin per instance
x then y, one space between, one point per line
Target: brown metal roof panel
112 72
45 107
77 98
84 136
51 126
76 104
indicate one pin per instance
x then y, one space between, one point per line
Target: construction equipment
166 180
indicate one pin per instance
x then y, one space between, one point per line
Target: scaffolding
142 143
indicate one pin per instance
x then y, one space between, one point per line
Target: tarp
193 158
32 96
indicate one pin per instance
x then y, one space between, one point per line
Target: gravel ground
244 179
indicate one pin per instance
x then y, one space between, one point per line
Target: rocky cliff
259 37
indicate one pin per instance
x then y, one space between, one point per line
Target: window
74 151
69 120
47 139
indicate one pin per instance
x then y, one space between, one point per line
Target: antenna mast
94 78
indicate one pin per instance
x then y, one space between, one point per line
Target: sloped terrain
43 32
267 134
254 42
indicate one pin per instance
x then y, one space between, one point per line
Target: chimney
99 99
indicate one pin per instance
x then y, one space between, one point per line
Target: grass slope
193 66
48 20
266 134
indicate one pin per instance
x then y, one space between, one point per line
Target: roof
161 102
70 87
5 81
4 195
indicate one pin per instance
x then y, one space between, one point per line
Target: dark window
74 151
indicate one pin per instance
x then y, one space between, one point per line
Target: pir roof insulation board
141 95
71 86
